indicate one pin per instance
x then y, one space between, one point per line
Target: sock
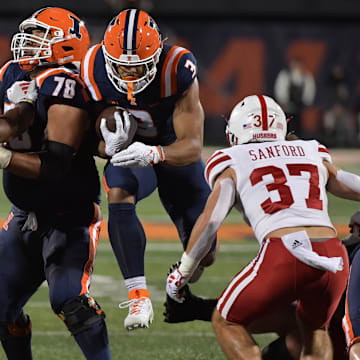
94 342
17 341
127 239
138 282
18 347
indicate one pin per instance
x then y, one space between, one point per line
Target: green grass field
189 341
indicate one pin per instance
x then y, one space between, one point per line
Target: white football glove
22 91
139 155
115 140
174 282
5 157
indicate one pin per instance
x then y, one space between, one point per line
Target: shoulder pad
4 68
178 71
216 164
323 152
64 85
61 83
87 72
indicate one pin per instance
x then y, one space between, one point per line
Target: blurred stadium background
240 47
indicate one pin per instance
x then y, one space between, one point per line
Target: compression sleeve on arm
56 160
349 179
225 201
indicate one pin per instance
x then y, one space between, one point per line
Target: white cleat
141 312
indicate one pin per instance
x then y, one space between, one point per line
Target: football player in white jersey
280 186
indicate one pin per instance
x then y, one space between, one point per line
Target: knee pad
20 327
81 313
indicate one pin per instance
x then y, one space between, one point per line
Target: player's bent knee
20 327
217 320
81 313
118 195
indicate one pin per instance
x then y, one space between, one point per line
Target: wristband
161 152
188 265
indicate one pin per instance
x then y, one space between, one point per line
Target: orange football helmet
63 39
132 39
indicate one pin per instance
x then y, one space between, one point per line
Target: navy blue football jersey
154 106
55 85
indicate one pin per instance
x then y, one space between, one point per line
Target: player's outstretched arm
342 183
220 201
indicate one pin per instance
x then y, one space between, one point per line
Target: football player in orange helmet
157 83
131 52
51 179
51 36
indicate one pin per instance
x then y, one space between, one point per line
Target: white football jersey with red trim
280 184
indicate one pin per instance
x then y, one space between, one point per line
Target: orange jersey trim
94 233
3 69
106 187
43 76
87 72
174 71
169 71
346 324
6 223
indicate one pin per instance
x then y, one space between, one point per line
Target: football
108 114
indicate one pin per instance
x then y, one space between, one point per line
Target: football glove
5 157
139 155
22 91
174 282
115 140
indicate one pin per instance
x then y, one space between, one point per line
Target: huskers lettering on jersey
61 86
154 105
284 179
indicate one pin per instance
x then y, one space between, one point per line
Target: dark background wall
240 45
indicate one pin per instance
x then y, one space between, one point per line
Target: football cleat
141 313
193 308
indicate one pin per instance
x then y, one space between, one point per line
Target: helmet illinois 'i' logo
75 30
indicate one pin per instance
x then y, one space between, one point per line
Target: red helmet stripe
264 113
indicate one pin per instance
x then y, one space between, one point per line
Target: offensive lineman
51 179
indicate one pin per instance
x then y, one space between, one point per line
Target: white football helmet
256 118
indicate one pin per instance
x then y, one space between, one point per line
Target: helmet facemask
50 36
31 50
138 84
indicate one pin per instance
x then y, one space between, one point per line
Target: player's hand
22 91
138 155
5 157
174 283
115 140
